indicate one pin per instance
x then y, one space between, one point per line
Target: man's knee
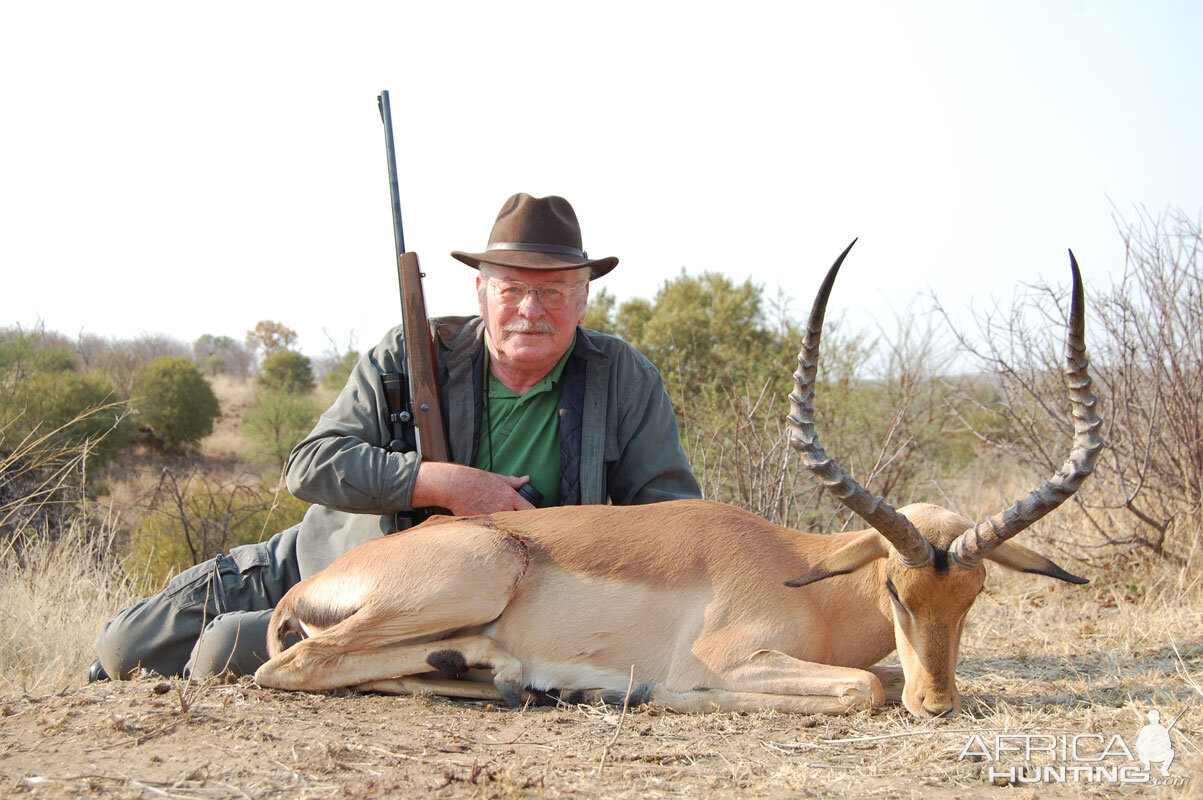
140 636
114 652
234 643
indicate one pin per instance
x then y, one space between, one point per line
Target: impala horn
913 548
974 544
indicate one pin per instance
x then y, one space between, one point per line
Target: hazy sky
194 168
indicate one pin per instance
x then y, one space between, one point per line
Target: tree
334 365
222 355
175 403
270 336
701 331
119 364
194 515
1145 337
337 375
727 366
599 316
286 371
42 393
147 347
278 421
119 360
208 350
56 426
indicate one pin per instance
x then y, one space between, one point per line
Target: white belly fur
597 629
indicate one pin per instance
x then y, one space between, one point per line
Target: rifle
423 417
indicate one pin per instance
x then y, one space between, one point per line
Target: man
527 395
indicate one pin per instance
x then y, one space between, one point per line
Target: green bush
70 408
278 421
286 371
42 395
54 359
23 353
175 403
56 427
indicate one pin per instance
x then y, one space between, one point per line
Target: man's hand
465 491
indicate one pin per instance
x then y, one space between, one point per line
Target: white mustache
527 326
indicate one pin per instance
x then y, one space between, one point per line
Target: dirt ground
157 738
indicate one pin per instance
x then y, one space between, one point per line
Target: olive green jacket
629 449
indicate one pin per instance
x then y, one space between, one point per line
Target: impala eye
893 592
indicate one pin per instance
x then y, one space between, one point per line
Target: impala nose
939 708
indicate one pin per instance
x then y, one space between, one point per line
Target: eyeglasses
552 296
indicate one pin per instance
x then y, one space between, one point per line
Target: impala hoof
639 695
867 693
511 693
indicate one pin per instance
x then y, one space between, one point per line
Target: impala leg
893 681
443 687
317 664
767 679
771 679
706 700
370 609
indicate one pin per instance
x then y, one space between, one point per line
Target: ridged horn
973 545
913 548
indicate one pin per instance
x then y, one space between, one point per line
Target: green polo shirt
520 434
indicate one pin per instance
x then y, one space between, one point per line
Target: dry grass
54 597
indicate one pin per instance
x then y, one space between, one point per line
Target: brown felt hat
537 233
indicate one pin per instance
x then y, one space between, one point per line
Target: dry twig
626 701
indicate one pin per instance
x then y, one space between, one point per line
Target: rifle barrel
386 114
427 414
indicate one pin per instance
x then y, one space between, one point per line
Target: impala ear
867 547
1019 558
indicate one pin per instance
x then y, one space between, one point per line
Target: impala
693 605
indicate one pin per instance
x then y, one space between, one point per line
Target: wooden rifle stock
429 436
425 414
